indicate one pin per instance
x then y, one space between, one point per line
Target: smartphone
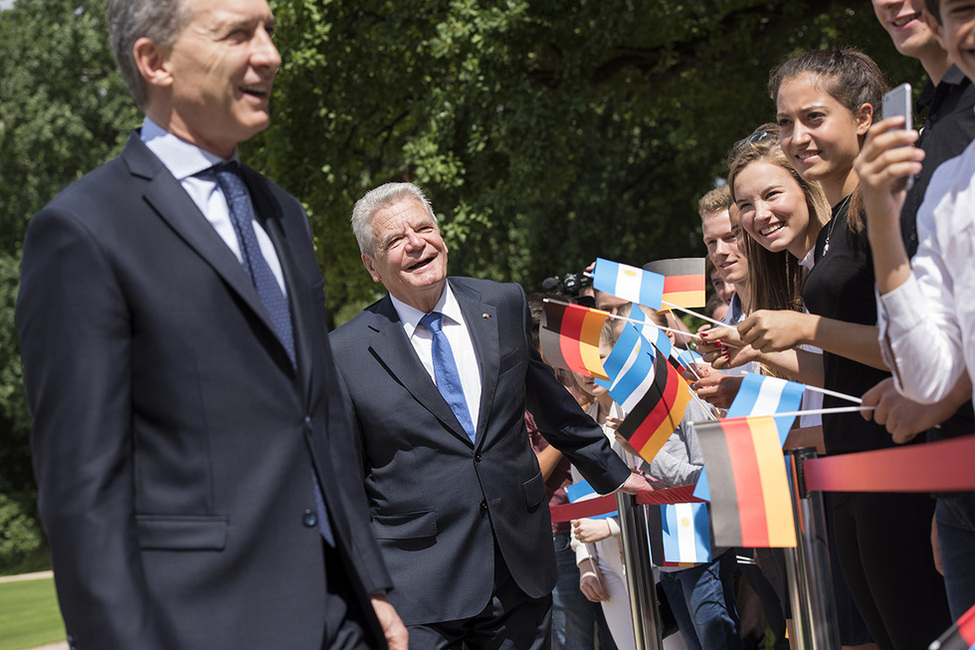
898 102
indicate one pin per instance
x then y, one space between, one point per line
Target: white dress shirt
927 324
460 341
184 161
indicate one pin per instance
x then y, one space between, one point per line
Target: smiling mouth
765 232
260 92
806 155
903 20
422 263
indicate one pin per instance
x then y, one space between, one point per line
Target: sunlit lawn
29 614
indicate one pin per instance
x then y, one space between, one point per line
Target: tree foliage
63 107
63 110
545 133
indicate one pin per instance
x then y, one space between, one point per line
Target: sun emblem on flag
629 272
685 521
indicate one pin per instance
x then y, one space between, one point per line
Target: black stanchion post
807 565
635 538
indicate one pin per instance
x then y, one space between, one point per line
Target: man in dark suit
190 444
439 374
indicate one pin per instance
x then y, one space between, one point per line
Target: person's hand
903 418
883 165
591 582
775 330
723 348
635 484
716 388
715 339
396 635
614 423
625 444
588 531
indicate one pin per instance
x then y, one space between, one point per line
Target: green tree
63 111
545 133
63 107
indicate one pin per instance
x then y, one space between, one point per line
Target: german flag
750 501
684 280
569 337
654 397
960 636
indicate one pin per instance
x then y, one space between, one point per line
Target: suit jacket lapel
169 200
396 352
482 323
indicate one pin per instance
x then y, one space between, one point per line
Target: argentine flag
629 282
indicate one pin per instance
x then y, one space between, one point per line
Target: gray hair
379 199
129 20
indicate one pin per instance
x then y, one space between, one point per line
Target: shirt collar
181 158
410 316
954 76
809 260
735 314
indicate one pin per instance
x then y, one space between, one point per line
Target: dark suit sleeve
75 337
347 449
565 425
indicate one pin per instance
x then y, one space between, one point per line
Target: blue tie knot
227 175
433 321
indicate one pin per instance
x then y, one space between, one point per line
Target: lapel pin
485 315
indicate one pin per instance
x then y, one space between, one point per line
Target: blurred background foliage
545 132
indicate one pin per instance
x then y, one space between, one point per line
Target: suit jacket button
477 458
483 505
310 520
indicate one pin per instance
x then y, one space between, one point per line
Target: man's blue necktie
445 372
268 289
242 216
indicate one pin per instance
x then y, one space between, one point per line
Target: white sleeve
920 336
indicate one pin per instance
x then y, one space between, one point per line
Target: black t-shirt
949 127
841 287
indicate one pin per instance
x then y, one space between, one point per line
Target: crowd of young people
847 279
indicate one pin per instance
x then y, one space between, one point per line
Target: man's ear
152 60
935 27
864 118
370 265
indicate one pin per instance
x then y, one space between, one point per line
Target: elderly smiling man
439 373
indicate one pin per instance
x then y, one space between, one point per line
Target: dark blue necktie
242 216
445 372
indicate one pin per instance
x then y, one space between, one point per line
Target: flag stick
839 409
833 393
695 314
632 320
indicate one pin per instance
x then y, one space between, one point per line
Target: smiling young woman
782 214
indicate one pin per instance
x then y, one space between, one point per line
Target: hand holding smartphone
898 102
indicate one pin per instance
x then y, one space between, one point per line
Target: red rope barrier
602 505
944 466
582 509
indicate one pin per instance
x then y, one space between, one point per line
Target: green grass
29 614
